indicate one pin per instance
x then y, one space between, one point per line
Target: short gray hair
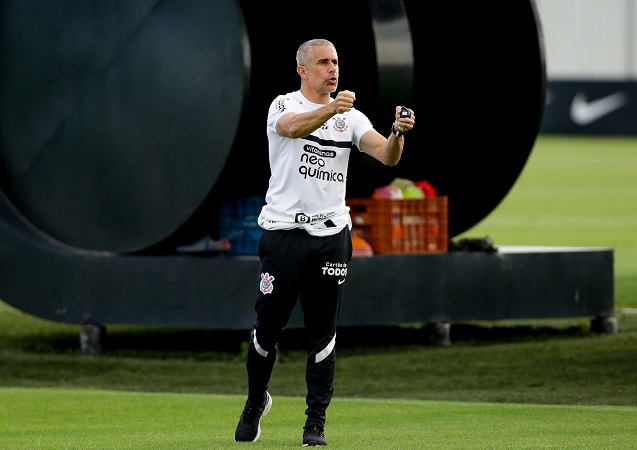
306 50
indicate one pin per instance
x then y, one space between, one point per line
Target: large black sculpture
122 120
125 123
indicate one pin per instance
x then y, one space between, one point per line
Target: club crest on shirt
339 124
266 286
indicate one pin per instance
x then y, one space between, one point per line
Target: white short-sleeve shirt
309 174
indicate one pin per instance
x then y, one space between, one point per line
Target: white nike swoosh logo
584 112
341 281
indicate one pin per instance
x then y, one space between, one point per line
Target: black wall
599 107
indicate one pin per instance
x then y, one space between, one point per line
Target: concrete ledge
218 292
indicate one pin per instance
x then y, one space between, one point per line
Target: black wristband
394 132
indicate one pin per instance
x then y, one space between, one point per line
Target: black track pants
296 266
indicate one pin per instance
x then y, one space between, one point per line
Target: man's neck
315 97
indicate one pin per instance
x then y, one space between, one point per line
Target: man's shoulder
289 96
282 99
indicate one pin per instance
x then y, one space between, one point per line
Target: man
306 244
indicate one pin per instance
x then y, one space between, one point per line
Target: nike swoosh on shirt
584 112
341 281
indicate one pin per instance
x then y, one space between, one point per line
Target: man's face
322 70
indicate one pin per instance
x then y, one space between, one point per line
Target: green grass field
575 191
550 384
79 419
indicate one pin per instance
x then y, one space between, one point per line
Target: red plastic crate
402 226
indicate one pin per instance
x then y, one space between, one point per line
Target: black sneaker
249 427
313 436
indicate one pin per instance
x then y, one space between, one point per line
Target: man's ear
301 71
